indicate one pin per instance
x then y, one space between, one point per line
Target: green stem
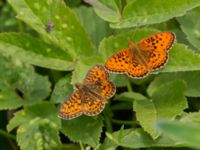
125 122
7 135
81 145
129 85
21 27
108 124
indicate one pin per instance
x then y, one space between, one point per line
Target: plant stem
7 135
81 145
129 85
21 27
125 122
108 124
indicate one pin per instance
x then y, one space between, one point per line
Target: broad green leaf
62 90
95 26
38 126
10 100
141 12
169 99
147 115
83 66
33 51
20 84
167 102
182 132
191 26
34 86
17 120
85 129
107 10
120 80
67 32
136 138
191 78
38 134
177 60
129 96
46 111
191 118
126 100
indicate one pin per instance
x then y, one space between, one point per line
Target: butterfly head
79 86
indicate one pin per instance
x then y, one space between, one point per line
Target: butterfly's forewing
107 89
72 107
97 80
125 61
119 62
156 48
96 74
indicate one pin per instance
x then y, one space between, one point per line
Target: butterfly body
137 54
90 97
139 59
89 89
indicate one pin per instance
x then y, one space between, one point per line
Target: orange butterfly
143 57
91 96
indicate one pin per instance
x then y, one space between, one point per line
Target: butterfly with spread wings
139 59
90 97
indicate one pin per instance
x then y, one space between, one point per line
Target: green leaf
95 26
107 10
38 134
167 102
30 112
17 120
141 12
136 138
177 60
10 100
147 115
182 132
67 32
62 89
129 96
191 78
37 129
34 86
85 129
25 48
190 25
191 118
120 80
20 85
169 99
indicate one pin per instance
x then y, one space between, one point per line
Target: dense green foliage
40 64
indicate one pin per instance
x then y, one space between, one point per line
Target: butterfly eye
49 26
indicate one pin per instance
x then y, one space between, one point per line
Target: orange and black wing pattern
72 107
143 57
91 99
157 47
